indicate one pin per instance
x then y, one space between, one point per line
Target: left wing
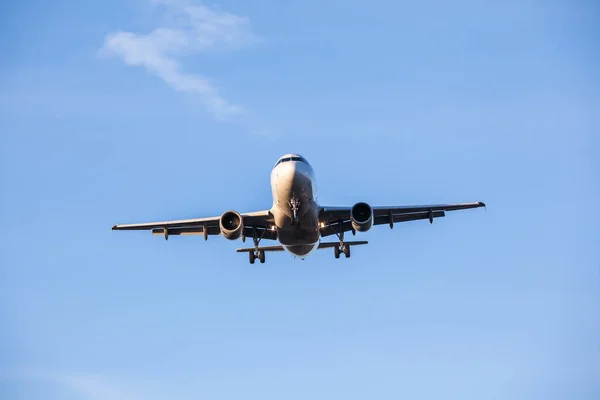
335 218
258 222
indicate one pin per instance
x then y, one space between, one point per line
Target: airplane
296 220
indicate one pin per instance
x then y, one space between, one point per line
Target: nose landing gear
294 204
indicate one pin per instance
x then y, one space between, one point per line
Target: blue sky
115 112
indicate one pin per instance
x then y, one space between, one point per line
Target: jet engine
361 216
231 225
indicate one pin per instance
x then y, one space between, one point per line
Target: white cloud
89 387
96 387
194 28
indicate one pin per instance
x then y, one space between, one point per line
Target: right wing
334 218
259 221
335 213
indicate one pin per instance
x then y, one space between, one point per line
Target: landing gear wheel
252 257
347 251
261 256
336 252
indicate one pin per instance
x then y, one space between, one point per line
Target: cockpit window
286 159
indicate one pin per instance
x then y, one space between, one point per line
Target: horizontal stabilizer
329 245
264 248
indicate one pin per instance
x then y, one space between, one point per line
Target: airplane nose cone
293 174
294 170
285 170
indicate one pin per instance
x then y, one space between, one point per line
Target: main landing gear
256 253
342 248
260 254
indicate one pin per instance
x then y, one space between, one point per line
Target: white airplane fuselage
295 209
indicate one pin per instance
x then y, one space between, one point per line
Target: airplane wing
259 221
334 218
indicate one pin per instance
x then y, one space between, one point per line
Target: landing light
273 227
322 224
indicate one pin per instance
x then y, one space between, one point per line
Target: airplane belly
302 250
304 231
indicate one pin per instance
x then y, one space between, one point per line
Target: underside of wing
174 224
422 208
346 226
335 220
255 223
336 213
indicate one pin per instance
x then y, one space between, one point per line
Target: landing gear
337 250
294 204
253 255
256 253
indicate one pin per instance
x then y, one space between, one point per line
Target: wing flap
213 231
186 231
385 219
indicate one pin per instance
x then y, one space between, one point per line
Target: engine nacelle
361 217
231 225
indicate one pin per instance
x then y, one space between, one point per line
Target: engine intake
361 216
231 225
